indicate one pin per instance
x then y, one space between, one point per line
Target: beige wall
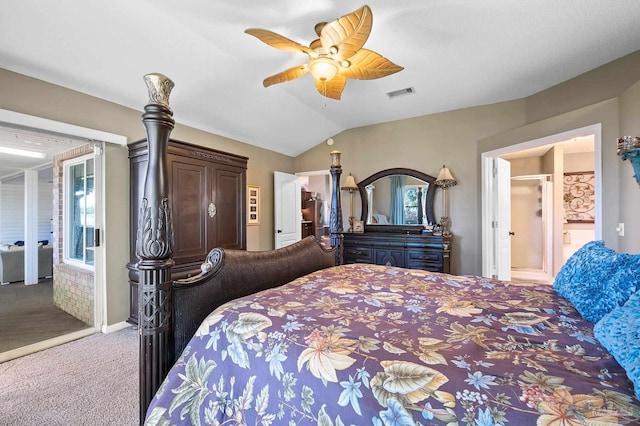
578 162
526 166
425 144
629 189
34 97
608 95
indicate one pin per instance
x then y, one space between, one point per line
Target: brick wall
73 291
73 287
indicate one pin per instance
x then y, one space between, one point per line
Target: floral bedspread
375 345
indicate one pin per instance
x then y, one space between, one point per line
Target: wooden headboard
169 312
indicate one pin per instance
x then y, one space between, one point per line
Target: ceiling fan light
323 69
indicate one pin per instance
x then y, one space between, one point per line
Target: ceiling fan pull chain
324 94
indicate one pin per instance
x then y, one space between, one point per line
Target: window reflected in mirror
397 200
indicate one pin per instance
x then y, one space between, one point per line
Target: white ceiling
13 166
456 54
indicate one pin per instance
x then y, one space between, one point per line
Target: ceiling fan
333 57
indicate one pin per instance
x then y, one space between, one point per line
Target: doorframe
44 125
488 196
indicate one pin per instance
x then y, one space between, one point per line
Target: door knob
512 233
212 210
279 231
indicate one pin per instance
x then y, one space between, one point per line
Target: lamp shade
445 179
349 184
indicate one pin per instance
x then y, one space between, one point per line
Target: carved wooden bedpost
335 219
154 246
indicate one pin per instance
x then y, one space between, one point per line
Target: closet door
190 196
229 195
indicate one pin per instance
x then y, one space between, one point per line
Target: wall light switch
620 229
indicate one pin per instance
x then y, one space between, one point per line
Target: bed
368 344
291 336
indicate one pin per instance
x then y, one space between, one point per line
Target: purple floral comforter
375 345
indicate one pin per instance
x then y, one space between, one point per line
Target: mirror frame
428 208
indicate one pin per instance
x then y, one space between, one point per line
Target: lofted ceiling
455 54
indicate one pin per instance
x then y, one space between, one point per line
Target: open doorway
56 142
316 204
531 227
551 159
28 313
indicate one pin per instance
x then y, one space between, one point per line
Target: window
413 197
79 218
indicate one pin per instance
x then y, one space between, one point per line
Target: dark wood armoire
312 213
207 189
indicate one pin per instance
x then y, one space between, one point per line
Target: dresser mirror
397 200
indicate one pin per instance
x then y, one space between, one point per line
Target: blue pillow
619 332
596 279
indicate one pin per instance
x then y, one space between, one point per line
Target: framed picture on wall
579 197
253 204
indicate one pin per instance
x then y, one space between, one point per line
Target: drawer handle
426 257
356 252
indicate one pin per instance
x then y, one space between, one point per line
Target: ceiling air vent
401 92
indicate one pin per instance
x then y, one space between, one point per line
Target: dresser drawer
407 250
357 254
431 267
427 260
424 256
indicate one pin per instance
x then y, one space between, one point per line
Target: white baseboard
106 329
531 275
55 341
45 344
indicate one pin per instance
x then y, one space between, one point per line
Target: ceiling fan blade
348 33
369 65
331 88
279 42
287 75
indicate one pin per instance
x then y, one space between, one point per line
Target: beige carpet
91 381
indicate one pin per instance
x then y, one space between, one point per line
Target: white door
287 204
502 217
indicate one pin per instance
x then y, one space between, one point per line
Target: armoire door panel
189 181
229 221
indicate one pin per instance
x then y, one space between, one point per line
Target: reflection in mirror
397 200
397 197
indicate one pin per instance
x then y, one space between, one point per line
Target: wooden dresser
208 203
407 250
